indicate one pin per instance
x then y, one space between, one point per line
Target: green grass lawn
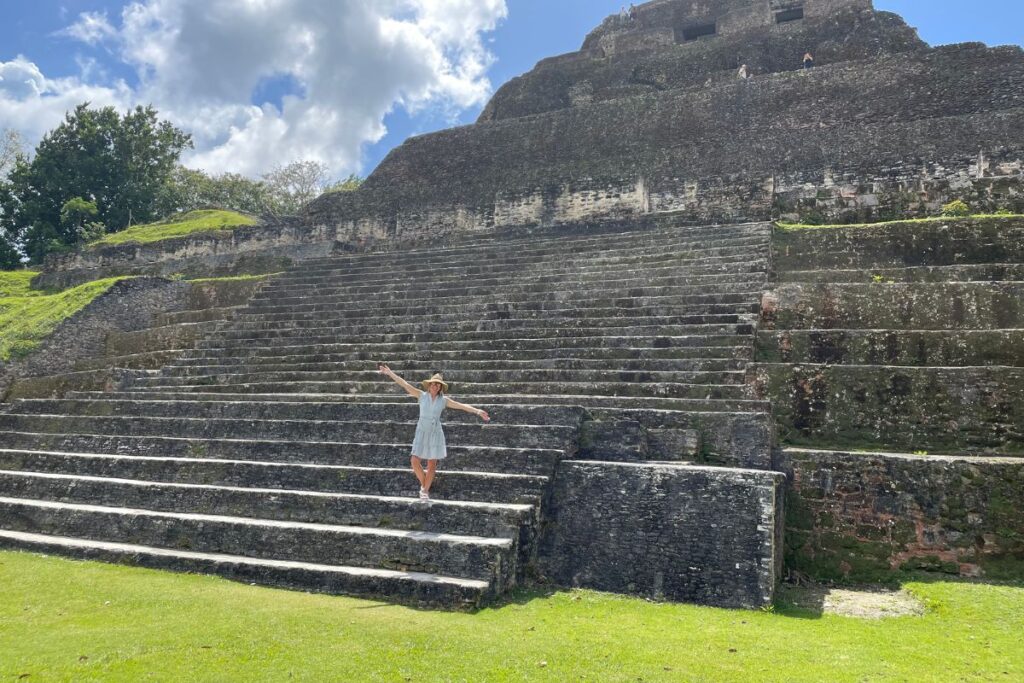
29 316
178 226
906 221
63 620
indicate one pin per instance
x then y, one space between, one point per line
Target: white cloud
199 61
91 28
32 104
21 79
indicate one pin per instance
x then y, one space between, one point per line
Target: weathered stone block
944 410
694 534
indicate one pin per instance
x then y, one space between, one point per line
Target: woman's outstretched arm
455 405
409 389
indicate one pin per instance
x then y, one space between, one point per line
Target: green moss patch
85 621
905 221
178 226
28 317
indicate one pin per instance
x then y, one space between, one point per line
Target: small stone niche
789 15
691 33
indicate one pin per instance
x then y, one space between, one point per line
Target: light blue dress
428 444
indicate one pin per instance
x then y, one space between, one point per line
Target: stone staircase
275 453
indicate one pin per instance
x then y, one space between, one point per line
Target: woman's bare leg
417 469
428 479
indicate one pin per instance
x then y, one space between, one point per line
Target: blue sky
251 98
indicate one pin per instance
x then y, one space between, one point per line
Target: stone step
500 459
467 391
500 310
973 272
192 367
538 248
146 361
369 376
907 306
532 291
936 409
684 282
397 355
734 265
922 348
675 335
666 325
404 410
579 236
530 253
962 242
194 316
487 401
415 588
480 263
57 385
183 335
506 300
727 344
386 512
522 268
482 487
388 431
475 557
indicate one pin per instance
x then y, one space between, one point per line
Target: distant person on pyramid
623 16
742 72
808 60
429 443
632 12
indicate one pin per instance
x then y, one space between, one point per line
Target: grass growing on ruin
177 226
27 316
904 221
234 278
62 620
17 282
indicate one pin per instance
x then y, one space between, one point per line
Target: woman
428 444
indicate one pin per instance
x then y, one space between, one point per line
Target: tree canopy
101 172
118 163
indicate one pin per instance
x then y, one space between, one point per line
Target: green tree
188 189
119 162
77 217
12 148
10 258
349 184
293 186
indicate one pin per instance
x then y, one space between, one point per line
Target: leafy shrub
956 208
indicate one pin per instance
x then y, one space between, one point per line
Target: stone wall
127 305
870 250
860 516
248 250
675 532
882 144
901 337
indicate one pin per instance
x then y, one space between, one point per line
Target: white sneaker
424 495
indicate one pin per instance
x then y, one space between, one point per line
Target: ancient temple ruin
691 400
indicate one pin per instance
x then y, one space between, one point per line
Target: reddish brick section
859 516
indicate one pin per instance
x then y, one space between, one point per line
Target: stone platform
275 453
